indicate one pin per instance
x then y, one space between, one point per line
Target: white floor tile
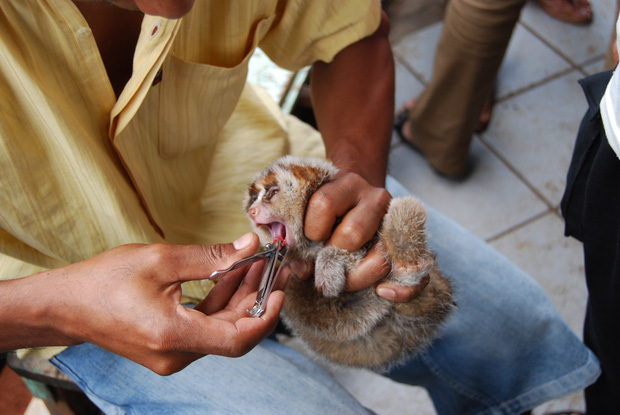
527 62
579 43
594 67
407 86
572 402
418 49
487 203
535 131
36 407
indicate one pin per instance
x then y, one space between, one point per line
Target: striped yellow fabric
82 172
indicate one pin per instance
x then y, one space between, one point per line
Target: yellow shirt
82 172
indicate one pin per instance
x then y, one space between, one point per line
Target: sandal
487 113
569 11
399 121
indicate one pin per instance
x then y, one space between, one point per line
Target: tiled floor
512 198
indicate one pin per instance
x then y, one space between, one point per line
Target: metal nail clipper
273 253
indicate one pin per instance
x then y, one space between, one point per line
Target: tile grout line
520 225
418 76
534 85
573 64
514 170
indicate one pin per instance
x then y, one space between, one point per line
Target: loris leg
403 239
412 273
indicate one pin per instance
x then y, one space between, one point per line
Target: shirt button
155 29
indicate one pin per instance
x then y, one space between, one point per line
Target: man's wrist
372 168
28 315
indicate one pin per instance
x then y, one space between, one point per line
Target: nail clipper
273 253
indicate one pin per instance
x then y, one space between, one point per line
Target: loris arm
353 100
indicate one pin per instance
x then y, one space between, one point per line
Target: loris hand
361 208
127 300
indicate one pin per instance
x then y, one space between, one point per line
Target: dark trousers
591 209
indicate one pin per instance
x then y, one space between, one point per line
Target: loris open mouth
278 232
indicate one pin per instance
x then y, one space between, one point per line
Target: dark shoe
569 11
399 121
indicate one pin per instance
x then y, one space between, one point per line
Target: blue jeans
504 350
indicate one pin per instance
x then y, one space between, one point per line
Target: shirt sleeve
316 30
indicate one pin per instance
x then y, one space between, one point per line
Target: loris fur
359 328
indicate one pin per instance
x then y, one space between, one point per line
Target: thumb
202 260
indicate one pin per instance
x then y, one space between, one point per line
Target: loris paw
330 270
412 273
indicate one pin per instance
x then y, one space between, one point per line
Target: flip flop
570 11
487 113
399 121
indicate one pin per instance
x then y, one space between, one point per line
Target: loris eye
271 193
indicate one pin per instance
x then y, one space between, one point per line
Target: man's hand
127 300
360 207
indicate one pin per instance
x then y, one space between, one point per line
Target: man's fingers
359 225
327 204
283 279
372 268
195 262
401 293
229 332
221 294
360 206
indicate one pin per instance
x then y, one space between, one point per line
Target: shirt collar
152 48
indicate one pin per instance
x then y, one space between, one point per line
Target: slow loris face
277 198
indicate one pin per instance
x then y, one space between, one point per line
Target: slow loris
358 328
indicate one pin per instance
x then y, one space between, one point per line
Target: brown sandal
570 11
399 121
487 113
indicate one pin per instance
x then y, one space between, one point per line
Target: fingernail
387 293
243 242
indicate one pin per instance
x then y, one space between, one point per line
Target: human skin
126 300
171 9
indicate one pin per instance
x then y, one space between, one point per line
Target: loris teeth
278 231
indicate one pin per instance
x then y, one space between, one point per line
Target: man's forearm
26 320
353 100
